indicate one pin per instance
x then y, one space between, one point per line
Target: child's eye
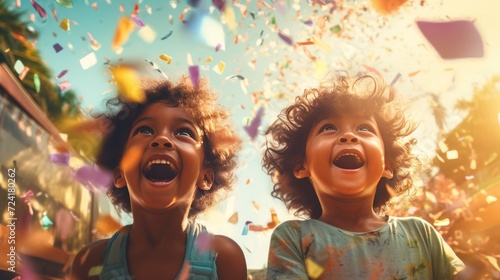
185 132
328 127
365 128
144 130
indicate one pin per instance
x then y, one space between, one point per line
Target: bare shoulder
230 261
88 257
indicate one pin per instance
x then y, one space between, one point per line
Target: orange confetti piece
413 73
129 85
274 219
234 218
305 43
130 158
123 31
64 25
387 6
107 225
209 59
166 58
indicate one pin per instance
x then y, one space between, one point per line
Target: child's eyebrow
180 119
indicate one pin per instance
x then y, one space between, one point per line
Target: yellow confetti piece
209 59
442 146
95 270
230 18
219 68
320 43
64 25
453 154
473 164
387 6
122 32
166 58
493 261
442 223
313 269
129 85
490 199
130 158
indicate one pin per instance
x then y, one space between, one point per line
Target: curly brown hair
220 142
287 136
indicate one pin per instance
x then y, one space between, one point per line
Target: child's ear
207 180
387 174
300 171
119 179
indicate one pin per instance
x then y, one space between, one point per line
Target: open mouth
160 170
348 161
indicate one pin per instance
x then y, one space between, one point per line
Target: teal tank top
202 265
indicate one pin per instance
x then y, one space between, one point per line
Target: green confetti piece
65 3
335 29
273 20
36 81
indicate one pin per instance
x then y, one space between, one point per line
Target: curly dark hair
220 142
286 139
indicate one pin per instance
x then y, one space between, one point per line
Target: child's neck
352 216
158 229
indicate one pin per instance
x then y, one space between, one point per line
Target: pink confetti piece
203 242
94 5
218 47
64 85
138 22
194 74
219 4
285 38
253 128
94 178
60 158
54 13
63 72
24 72
453 39
39 9
27 196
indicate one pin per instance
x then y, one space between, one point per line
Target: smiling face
163 159
344 157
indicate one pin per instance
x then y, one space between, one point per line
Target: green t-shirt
404 248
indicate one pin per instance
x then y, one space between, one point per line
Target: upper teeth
159 161
349 154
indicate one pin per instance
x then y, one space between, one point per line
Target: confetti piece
147 34
60 158
453 39
308 22
239 77
166 58
94 5
452 154
218 47
19 66
209 59
413 73
490 199
36 81
234 218
128 83
65 3
88 61
138 22
491 159
245 228
39 9
45 221
194 74
335 29
203 242
442 223
285 38
253 128
313 269
274 219
95 270
387 6
57 47
62 73
219 68
123 30
131 158
442 146
64 85
219 4
94 178
24 72
168 35
396 78
54 13
65 24
230 18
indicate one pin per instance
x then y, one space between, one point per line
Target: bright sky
274 70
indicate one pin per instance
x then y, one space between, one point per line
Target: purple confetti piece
60 158
64 85
168 35
396 79
63 72
39 9
253 128
219 4
217 48
286 38
57 47
453 39
308 22
203 242
138 22
94 178
194 74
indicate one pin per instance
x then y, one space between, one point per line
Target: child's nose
162 141
348 138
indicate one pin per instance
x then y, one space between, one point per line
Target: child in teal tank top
337 155
171 155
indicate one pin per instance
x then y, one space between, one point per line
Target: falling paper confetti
252 129
453 39
64 25
313 269
138 22
19 66
234 218
57 47
130 158
36 81
442 223
285 38
64 85
60 158
39 9
147 34
219 68
168 35
245 228
452 154
387 6
88 61
219 4
194 74
94 178
62 73
107 225
65 3
123 30
203 242
45 221
128 83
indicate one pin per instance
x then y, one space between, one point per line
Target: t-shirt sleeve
285 259
445 263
